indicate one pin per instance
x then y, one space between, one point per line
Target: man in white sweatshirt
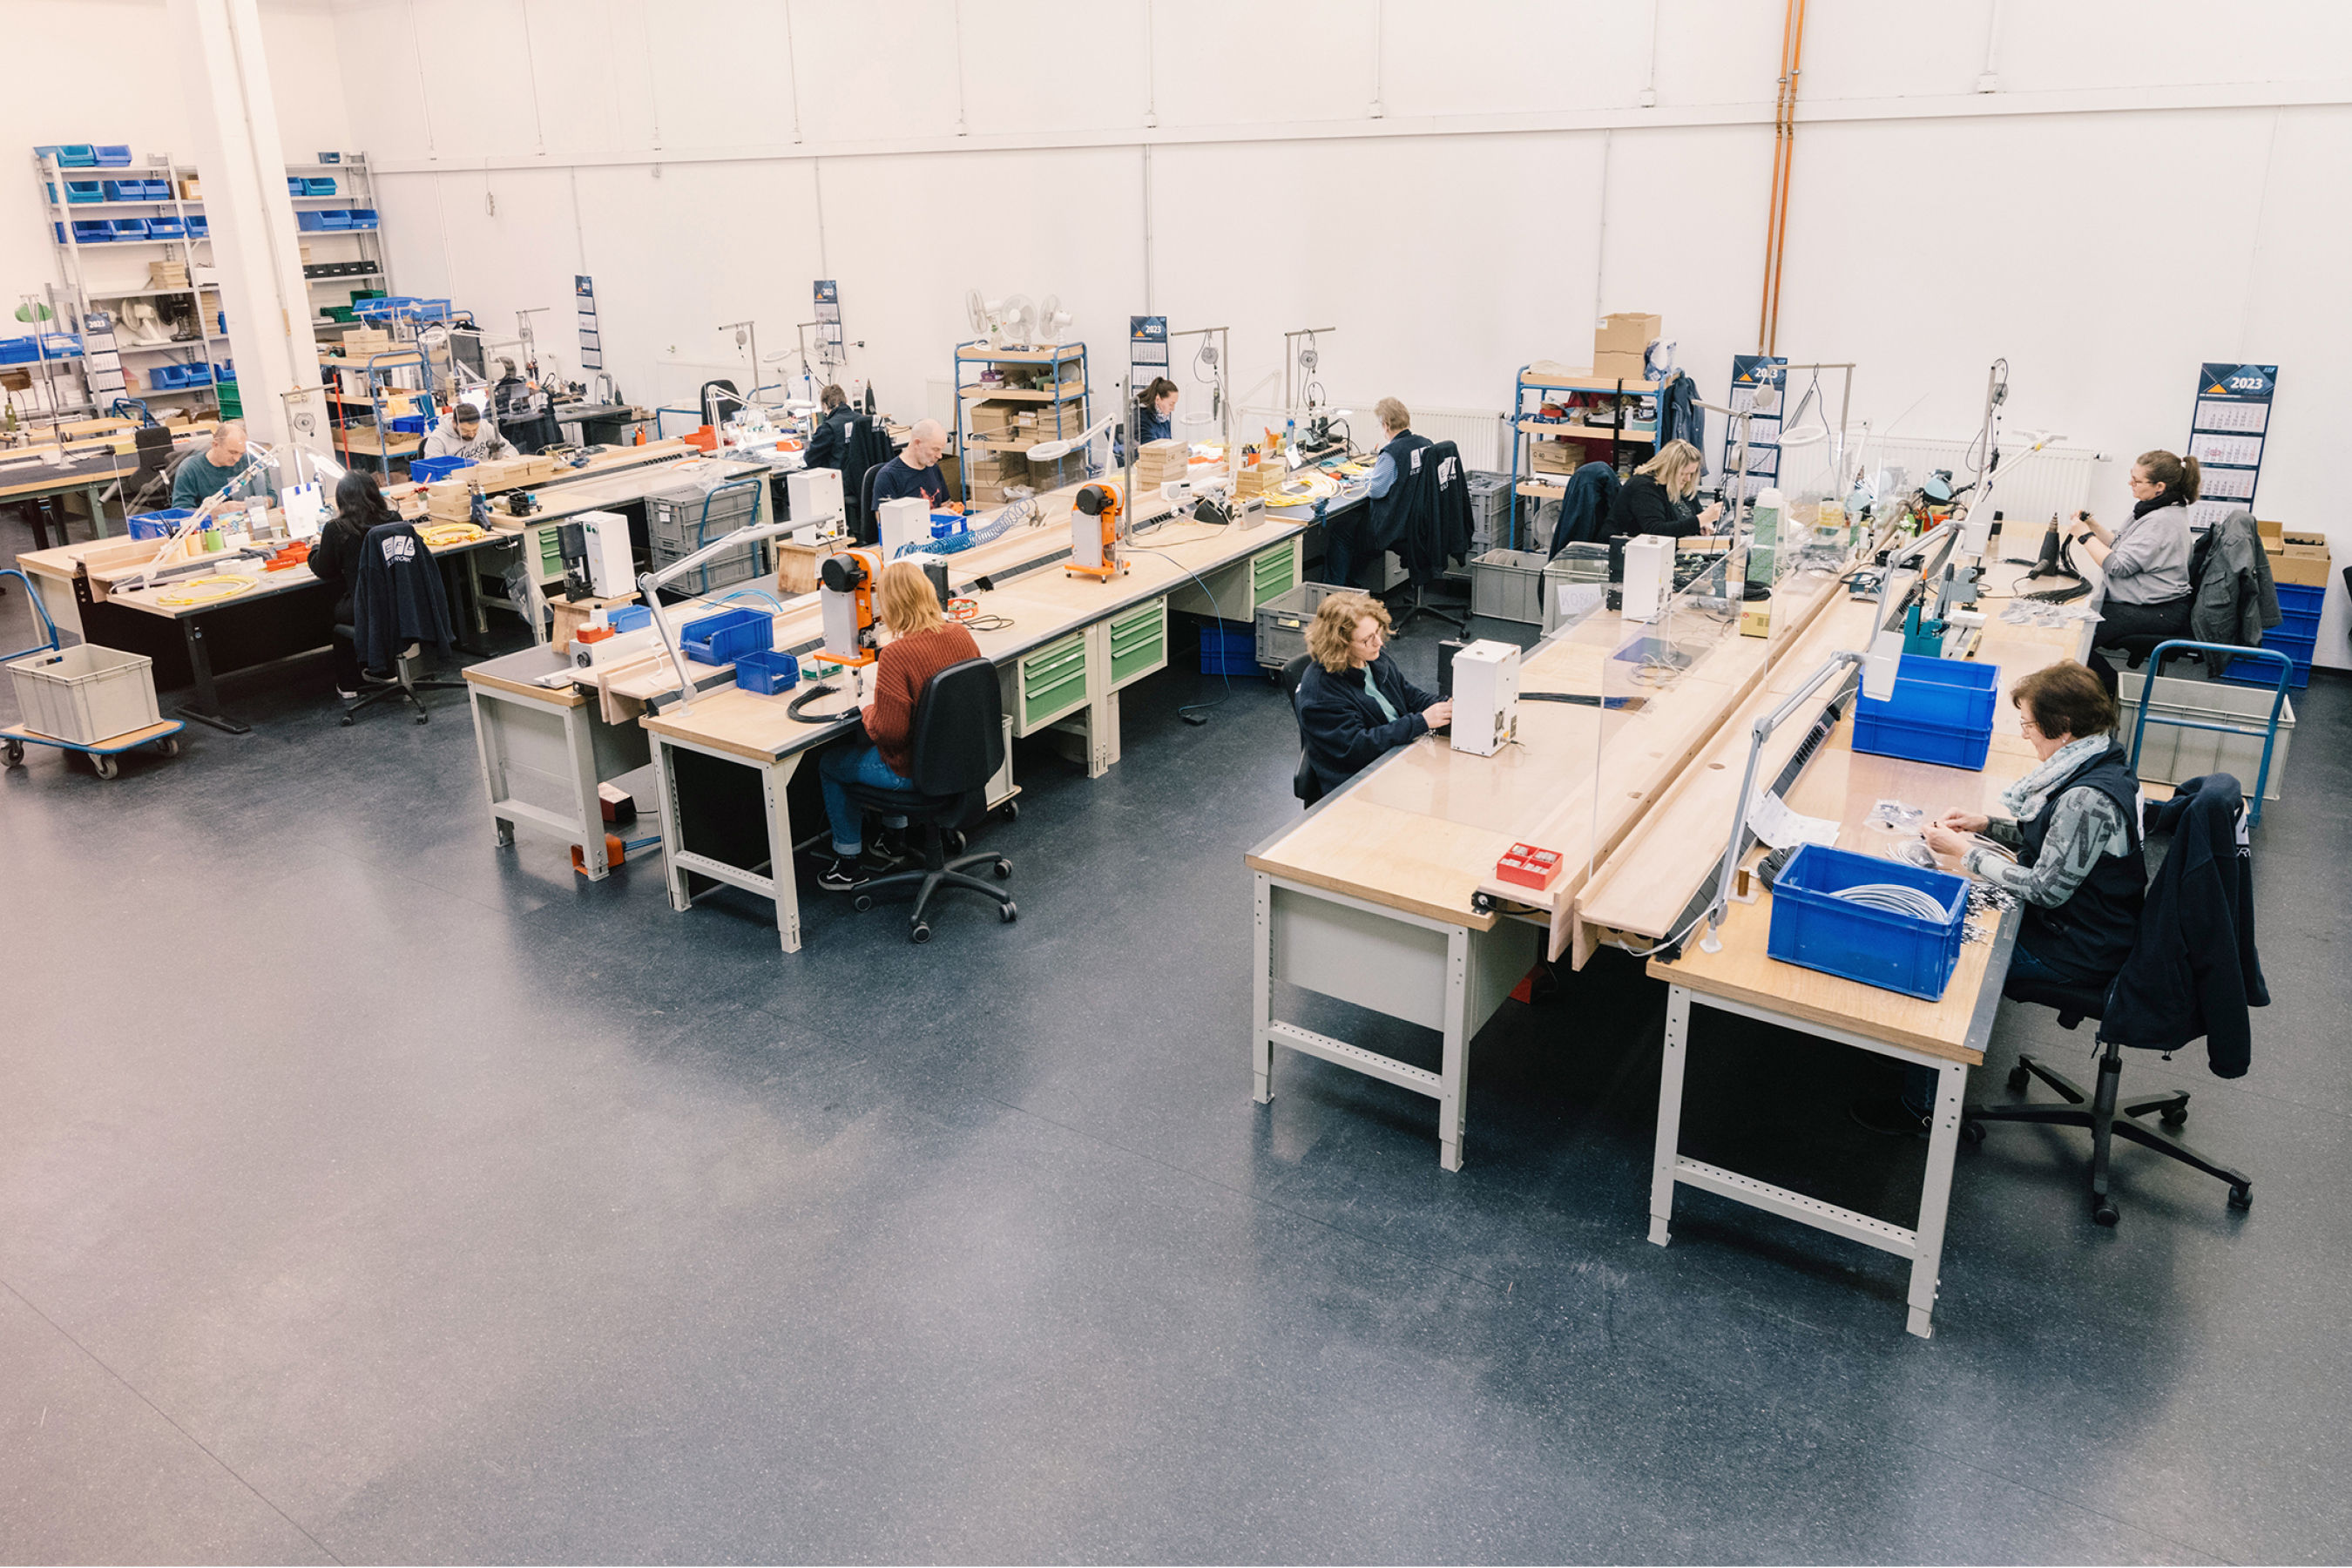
465 434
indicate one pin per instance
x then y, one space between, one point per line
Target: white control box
814 495
612 570
1649 577
1485 696
903 522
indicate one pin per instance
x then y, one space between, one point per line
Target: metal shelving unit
365 267
1526 429
1055 360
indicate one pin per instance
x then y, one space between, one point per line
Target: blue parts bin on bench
1869 920
1941 711
723 638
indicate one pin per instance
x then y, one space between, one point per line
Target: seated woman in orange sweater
919 642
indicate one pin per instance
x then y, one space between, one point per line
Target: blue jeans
862 764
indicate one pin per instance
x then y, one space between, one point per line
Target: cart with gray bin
99 701
680 522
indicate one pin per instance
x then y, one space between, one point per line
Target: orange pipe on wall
1772 202
1784 154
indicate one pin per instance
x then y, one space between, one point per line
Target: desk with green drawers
1073 644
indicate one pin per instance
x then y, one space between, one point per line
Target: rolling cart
163 734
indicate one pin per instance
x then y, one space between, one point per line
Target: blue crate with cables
1869 920
1941 712
1229 648
766 672
160 524
424 470
726 636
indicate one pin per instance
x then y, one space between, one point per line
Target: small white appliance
612 570
1649 577
1485 696
903 522
814 495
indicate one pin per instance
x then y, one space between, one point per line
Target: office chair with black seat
1436 529
1303 782
958 746
397 606
2192 973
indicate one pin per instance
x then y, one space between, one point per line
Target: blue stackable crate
723 638
166 377
318 185
1229 648
72 155
159 190
425 470
430 309
160 524
411 424
364 217
384 307
310 222
766 671
198 374
330 157
19 350
1941 712
629 618
88 231
110 156
124 190
293 185
1815 928
80 191
126 228
334 218
166 228
199 227
60 345
224 370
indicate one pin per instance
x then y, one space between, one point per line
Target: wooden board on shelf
985 393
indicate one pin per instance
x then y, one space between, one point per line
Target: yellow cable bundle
442 535
226 588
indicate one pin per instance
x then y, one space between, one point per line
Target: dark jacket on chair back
1345 730
1584 510
831 436
1388 511
2089 936
397 599
2194 970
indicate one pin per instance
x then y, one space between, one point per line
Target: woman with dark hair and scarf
2144 563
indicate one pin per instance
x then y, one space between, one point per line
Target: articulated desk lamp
650 583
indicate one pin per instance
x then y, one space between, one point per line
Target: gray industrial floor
368 1193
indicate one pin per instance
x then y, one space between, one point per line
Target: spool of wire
1894 899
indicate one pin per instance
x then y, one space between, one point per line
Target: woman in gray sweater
2145 562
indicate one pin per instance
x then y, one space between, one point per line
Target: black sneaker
840 876
1888 1116
889 850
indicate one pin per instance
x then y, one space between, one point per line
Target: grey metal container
1508 585
1282 622
2169 755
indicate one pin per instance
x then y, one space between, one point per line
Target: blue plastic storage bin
364 217
1941 712
166 228
80 191
334 218
166 377
126 228
318 185
124 190
113 156
224 370
60 345
430 309
73 156
1229 648
310 222
88 231
19 350
424 470
1814 927
766 671
723 638
629 618
199 227
160 524
384 307
411 424
293 185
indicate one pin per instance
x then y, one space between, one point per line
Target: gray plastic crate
1508 585
1282 622
2169 755
1490 512
674 518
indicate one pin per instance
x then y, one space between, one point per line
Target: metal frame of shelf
356 187
978 352
1523 480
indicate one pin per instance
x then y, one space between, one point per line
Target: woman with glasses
2145 562
1353 703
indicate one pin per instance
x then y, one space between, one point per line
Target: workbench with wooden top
95 454
1072 644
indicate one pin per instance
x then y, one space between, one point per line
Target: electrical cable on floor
1188 711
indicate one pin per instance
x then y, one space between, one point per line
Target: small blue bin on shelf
199 227
112 156
124 190
166 228
167 377
1814 927
126 228
334 218
1229 648
19 350
293 185
60 345
318 185
364 217
411 424
90 231
424 470
310 222
766 671
80 191
224 370
75 155
160 524
1941 712
725 637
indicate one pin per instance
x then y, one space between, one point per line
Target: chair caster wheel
2242 1197
953 843
16 754
2018 1078
919 932
1004 869
861 903
1972 1133
1010 811
168 746
2176 1117
2104 1212
1008 913
348 721
106 766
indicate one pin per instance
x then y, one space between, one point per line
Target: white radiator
2027 491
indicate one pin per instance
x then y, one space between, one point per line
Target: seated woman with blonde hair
1353 703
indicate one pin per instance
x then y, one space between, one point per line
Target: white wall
106 70
2146 191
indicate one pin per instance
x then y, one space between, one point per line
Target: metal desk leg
1936 1195
773 778
673 846
1670 1113
200 665
1453 1067
1262 989
489 746
591 814
1102 709
96 497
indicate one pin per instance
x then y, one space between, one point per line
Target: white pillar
254 244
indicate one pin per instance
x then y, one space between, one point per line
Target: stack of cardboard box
1547 455
1157 462
1259 478
1621 346
2298 558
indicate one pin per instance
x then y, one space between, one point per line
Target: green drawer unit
1274 573
1139 643
550 552
1053 683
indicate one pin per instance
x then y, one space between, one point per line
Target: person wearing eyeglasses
2072 827
2145 590
1353 703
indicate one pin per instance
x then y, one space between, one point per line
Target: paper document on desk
1782 828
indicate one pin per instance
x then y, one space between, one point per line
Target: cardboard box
1626 332
988 420
2303 560
1616 366
361 342
2273 534
1552 457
